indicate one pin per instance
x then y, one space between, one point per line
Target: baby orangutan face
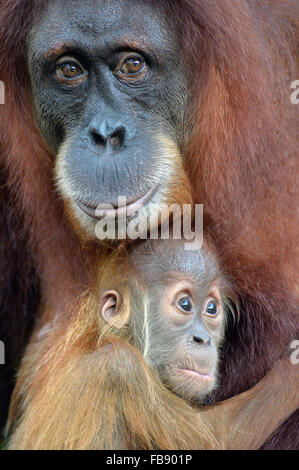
176 319
186 338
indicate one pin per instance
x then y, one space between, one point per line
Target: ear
110 306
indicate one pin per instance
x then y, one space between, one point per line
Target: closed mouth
119 211
207 377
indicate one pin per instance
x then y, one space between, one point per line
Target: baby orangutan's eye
212 308
185 304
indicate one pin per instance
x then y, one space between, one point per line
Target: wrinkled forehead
197 266
168 260
99 22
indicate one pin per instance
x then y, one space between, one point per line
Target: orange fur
93 390
241 157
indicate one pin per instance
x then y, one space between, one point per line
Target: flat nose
106 133
200 335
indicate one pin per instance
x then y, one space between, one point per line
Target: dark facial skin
184 317
109 97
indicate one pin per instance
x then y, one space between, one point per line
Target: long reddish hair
241 160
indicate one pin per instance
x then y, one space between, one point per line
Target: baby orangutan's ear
110 306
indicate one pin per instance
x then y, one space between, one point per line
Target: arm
110 399
105 399
250 418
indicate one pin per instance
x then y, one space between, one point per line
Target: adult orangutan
122 97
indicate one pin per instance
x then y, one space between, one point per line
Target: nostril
197 339
98 139
116 139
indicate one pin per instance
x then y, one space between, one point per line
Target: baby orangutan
178 321
176 315
133 366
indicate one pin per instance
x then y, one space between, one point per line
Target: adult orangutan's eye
132 66
69 71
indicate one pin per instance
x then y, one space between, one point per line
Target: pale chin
91 225
147 218
191 385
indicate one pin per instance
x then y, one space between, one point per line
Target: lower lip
119 212
192 373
